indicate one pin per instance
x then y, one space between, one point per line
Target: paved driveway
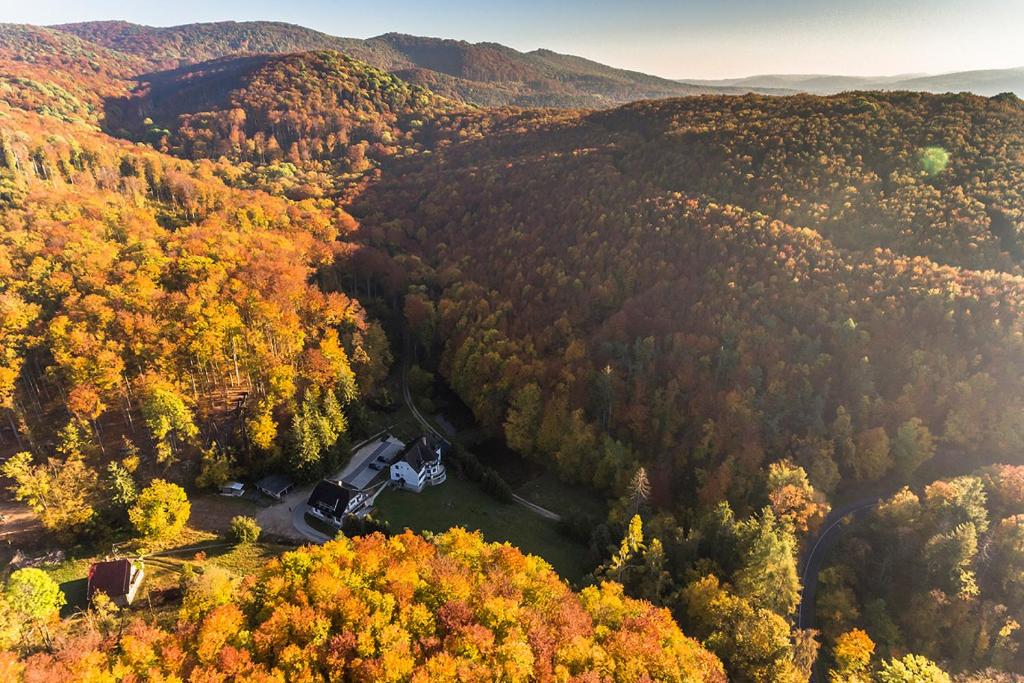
287 518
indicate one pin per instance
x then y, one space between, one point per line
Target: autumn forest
692 336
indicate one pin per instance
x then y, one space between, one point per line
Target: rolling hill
58 74
661 273
480 73
987 82
173 46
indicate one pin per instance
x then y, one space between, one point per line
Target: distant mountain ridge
985 82
487 74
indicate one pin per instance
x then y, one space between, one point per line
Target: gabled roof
275 484
420 451
113 577
330 496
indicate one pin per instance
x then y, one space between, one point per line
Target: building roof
330 496
368 464
420 451
113 577
275 484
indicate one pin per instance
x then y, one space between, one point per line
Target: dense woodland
399 609
936 571
721 313
602 319
486 74
61 76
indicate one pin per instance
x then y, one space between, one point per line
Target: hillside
730 293
986 82
60 75
173 46
983 82
290 116
539 79
688 312
482 73
935 176
377 609
144 298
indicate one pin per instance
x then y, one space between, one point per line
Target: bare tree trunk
14 427
234 358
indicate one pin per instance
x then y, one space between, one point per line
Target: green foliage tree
245 529
768 577
316 427
167 416
34 599
161 511
60 493
754 642
912 447
216 467
960 500
874 456
523 419
121 485
911 669
640 566
950 557
933 160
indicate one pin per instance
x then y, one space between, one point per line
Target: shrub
245 529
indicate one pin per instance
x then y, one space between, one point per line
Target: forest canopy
404 608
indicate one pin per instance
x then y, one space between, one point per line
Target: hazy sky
673 38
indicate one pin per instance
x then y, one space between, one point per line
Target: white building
419 465
331 502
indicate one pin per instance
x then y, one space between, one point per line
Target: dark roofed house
276 485
330 501
119 579
419 465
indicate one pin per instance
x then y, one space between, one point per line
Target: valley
614 353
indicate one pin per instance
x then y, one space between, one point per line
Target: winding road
824 541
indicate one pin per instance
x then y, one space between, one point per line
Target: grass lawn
164 571
70 574
321 526
548 491
458 502
239 559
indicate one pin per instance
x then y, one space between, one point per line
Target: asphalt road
826 538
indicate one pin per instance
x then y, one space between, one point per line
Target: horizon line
679 79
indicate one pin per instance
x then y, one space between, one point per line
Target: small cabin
233 489
119 579
276 486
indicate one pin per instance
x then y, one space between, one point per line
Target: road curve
825 539
299 522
